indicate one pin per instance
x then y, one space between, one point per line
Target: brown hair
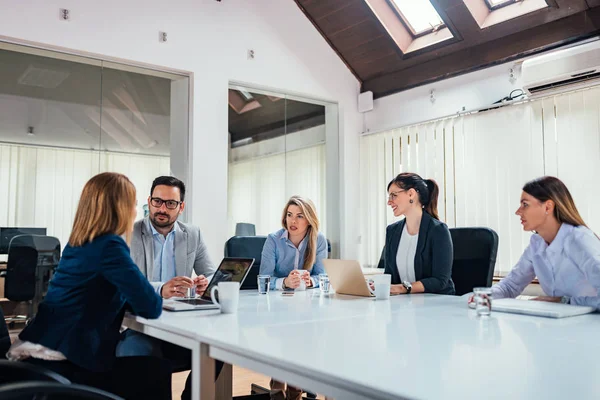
310 213
551 188
106 206
427 190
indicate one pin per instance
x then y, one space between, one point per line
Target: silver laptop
539 308
231 270
347 277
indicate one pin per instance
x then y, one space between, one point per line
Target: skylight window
495 4
420 16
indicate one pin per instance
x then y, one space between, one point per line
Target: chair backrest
245 229
17 371
27 254
247 246
4 336
22 390
475 251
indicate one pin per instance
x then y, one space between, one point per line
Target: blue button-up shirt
164 257
280 257
569 266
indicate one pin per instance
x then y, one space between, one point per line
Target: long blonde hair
310 213
106 206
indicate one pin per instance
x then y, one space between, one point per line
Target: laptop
231 270
347 277
539 308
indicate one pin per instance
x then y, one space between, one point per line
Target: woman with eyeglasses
563 253
76 329
418 249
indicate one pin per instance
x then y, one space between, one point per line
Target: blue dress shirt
280 257
164 257
569 266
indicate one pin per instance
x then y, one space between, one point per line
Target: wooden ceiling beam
505 49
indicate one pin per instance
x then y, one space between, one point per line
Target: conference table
418 346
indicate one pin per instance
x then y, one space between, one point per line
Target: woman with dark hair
563 253
418 249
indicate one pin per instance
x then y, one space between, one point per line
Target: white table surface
416 347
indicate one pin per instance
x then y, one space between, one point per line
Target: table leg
203 373
224 385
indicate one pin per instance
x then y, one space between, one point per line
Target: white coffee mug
383 285
302 283
229 296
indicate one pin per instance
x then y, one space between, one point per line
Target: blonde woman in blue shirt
299 246
563 253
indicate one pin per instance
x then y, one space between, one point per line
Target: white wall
473 90
210 39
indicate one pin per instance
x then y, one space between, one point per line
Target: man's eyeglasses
158 202
392 195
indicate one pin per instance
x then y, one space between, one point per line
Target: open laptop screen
230 270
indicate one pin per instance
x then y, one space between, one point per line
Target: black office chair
17 371
31 262
251 247
245 229
4 337
24 390
475 251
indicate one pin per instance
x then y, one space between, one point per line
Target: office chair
247 246
475 251
31 261
4 337
245 229
17 371
33 389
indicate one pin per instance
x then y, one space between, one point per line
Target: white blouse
405 257
569 266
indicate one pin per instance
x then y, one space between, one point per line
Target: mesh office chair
251 247
245 229
475 251
31 262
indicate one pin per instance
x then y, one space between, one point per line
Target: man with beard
166 251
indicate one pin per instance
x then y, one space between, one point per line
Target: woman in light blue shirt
563 253
298 246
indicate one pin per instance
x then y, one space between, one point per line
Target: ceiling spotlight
30 131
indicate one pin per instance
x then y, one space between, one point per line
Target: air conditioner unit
562 70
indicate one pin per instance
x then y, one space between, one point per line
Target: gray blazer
190 250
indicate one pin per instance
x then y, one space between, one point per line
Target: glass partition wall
65 118
280 146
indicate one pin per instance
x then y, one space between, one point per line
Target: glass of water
482 296
264 282
324 283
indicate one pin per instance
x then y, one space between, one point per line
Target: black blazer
433 257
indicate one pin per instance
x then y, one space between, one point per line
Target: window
496 4
419 16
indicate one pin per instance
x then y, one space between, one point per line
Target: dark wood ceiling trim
508 48
312 21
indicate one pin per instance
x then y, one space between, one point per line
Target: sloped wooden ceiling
359 38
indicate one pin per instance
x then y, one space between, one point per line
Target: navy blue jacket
433 257
84 307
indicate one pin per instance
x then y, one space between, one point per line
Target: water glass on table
324 283
264 281
482 297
